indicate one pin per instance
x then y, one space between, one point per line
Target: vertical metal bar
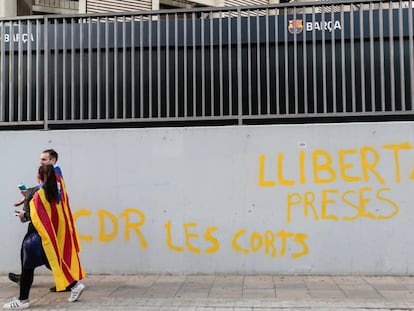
38 73
167 66
277 64
343 64
305 65
295 66
150 66
141 64
98 68
324 92
115 75
333 66
382 70
230 68
194 65
158 67
81 70
372 55
391 59
185 48
362 57
286 61
314 65
212 98
249 64
46 75
89 79
267 64
239 69
352 41
176 68
11 73
20 73
29 72
133 113
124 70
220 72
107 68
203 71
64 80
72 70
258 63
56 77
401 56
90 83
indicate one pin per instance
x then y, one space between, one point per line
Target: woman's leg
26 281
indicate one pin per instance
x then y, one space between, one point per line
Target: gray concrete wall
290 199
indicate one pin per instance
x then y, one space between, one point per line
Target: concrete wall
290 199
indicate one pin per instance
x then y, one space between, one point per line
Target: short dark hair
52 153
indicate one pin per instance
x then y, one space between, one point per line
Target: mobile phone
22 187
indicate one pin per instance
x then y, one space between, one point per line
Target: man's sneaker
17 304
76 292
14 277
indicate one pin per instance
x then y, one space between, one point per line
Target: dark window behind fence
301 62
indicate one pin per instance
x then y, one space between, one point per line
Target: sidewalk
224 293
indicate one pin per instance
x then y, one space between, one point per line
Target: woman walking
53 222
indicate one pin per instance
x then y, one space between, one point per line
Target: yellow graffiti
347 165
325 166
235 243
215 245
396 149
390 202
358 200
190 235
366 166
257 241
169 239
134 226
76 216
344 166
282 180
103 236
301 238
262 181
107 235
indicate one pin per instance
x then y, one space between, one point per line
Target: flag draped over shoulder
55 225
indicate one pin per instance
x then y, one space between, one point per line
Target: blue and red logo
295 26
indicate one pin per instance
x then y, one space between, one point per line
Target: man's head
48 156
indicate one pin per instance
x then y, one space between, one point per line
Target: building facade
10 8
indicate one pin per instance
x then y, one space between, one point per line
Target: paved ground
224 293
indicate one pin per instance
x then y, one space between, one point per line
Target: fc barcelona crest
295 26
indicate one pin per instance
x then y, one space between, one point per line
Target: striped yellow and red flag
55 225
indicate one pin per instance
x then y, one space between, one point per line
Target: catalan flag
55 225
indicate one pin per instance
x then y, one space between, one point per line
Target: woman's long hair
48 178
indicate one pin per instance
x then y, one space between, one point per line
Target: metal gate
298 62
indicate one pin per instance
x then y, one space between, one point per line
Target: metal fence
302 61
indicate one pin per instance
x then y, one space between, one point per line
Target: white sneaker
17 304
76 291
